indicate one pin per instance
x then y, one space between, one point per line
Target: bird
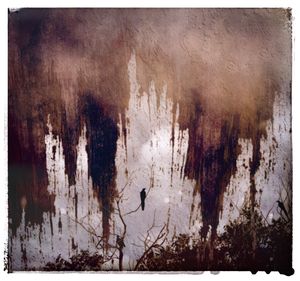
143 197
281 206
120 242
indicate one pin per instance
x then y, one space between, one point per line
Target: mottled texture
221 71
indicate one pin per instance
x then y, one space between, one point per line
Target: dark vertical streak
26 107
211 162
70 135
51 224
102 134
76 204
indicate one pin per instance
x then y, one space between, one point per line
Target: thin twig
160 235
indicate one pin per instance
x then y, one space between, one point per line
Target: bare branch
154 244
139 206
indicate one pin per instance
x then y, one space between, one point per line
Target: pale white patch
151 161
238 190
54 237
273 177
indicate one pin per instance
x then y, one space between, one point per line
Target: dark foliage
232 250
81 262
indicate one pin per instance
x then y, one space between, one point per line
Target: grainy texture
188 89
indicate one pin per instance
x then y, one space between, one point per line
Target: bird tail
143 206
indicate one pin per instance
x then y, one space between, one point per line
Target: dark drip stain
26 117
46 45
37 89
70 135
102 136
211 165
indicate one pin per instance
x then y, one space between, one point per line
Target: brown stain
223 67
102 136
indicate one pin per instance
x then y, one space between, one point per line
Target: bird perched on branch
143 197
282 208
120 242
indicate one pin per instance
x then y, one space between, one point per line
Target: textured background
192 104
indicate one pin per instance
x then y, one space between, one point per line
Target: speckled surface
191 104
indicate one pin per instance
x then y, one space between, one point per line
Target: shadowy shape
273 248
143 197
282 208
84 261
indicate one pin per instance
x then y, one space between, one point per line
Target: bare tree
151 241
116 249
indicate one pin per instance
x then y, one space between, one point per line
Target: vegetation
81 262
232 250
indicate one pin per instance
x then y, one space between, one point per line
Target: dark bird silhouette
120 242
120 246
143 197
282 208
